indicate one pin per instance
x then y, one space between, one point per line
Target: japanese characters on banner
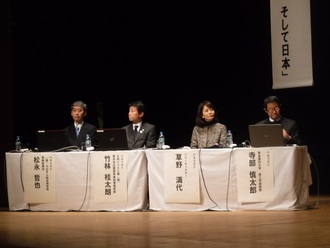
255 175
291 43
109 177
38 170
181 176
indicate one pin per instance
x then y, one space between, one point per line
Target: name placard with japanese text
38 170
181 176
109 176
255 175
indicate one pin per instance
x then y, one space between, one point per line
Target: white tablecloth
218 177
73 183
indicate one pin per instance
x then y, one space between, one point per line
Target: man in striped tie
76 132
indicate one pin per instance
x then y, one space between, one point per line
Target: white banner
109 176
291 43
255 175
38 177
181 176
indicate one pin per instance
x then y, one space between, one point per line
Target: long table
73 182
219 181
218 176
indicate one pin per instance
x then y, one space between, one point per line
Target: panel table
218 176
73 183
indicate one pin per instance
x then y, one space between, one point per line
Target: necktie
135 130
77 131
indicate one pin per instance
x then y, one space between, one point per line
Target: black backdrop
169 55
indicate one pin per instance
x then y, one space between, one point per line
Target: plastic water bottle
229 138
161 140
88 142
18 144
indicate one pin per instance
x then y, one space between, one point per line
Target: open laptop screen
263 135
50 140
112 139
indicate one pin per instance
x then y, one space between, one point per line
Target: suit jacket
290 126
73 140
145 138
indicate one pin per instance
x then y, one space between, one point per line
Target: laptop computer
264 135
111 139
50 140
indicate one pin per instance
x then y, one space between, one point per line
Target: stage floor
306 228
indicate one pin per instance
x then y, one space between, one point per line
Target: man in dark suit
76 132
272 107
140 134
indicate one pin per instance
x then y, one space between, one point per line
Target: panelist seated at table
140 134
76 131
272 107
208 131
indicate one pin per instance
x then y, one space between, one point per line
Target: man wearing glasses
272 107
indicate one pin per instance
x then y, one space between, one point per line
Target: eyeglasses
271 110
